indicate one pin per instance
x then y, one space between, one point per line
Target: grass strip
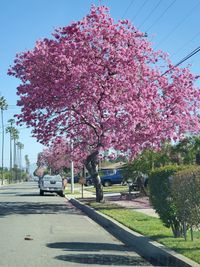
76 193
151 227
110 189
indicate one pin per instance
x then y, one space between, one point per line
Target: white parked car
51 184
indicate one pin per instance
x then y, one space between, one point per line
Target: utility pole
9 130
72 171
72 177
3 106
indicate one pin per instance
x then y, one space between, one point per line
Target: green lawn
153 228
76 193
68 191
110 189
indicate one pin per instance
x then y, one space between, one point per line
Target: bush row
175 195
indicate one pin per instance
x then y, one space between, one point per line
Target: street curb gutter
150 250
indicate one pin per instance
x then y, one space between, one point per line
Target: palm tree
15 137
3 106
20 146
27 163
187 151
9 130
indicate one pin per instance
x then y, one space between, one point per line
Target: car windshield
52 177
106 172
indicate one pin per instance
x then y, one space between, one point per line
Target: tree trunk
191 233
177 229
198 158
92 166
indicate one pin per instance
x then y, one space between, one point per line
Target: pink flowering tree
59 156
99 84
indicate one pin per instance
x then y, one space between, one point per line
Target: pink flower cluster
60 154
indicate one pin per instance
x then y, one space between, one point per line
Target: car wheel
61 194
41 192
107 183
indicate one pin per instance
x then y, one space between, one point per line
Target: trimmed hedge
161 196
186 197
175 195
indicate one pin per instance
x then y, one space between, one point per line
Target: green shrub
161 197
186 197
7 175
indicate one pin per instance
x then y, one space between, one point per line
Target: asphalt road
47 231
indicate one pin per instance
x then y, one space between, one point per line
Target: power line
162 14
188 56
144 3
183 46
179 24
125 12
191 54
150 14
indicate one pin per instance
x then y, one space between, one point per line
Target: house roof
113 166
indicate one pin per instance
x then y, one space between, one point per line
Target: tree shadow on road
36 195
27 208
104 259
85 246
105 254
11 187
8 193
99 254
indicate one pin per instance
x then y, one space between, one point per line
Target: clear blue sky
171 25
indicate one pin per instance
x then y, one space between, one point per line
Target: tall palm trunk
3 106
10 156
20 163
10 130
2 152
14 159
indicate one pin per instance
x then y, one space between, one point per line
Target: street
47 231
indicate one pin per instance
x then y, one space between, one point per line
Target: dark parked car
111 176
76 179
108 177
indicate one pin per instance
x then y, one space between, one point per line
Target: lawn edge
151 250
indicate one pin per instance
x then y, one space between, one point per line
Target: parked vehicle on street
108 177
51 184
76 179
111 176
88 181
140 180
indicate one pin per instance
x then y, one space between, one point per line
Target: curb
152 251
